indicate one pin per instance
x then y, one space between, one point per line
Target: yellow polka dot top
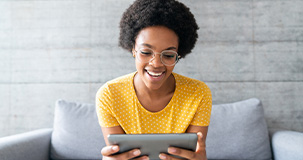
118 105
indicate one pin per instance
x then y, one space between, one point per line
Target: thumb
108 150
200 142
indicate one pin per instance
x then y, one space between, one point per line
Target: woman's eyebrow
147 45
171 48
150 46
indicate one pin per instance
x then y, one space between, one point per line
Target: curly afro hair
169 13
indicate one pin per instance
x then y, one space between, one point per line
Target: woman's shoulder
128 78
119 82
187 81
190 86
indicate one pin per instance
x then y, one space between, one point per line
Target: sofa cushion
287 145
238 131
76 134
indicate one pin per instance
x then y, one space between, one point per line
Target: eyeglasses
168 57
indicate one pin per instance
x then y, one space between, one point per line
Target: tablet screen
153 144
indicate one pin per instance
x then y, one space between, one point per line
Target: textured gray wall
67 49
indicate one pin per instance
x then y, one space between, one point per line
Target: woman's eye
169 56
146 53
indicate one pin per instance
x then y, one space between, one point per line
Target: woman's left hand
199 154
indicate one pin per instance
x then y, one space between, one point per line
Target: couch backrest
76 132
237 131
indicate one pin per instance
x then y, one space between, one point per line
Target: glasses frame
160 53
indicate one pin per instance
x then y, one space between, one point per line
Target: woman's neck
141 89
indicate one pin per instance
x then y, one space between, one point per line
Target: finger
182 152
167 157
109 150
142 158
128 155
200 143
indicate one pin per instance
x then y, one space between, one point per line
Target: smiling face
154 75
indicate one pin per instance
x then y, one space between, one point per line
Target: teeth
154 74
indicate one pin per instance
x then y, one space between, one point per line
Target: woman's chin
155 83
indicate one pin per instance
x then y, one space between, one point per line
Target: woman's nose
156 61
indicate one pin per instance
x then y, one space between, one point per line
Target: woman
154 99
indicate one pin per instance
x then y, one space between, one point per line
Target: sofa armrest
34 145
287 145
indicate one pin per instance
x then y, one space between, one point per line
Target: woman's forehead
157 37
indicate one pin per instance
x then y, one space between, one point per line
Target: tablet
153 144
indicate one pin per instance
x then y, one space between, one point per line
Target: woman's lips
155 76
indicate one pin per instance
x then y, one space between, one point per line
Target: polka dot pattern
117 104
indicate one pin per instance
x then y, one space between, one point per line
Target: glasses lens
169 57
145 55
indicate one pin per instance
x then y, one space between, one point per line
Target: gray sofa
237 131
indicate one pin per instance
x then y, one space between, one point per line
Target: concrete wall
67 49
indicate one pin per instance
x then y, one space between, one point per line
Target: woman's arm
199 154
196 129
111 130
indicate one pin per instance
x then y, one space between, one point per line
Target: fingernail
137 153
115 148
172 150
162 156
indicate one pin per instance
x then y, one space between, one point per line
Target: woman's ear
134 52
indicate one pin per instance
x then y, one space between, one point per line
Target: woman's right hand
107 152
